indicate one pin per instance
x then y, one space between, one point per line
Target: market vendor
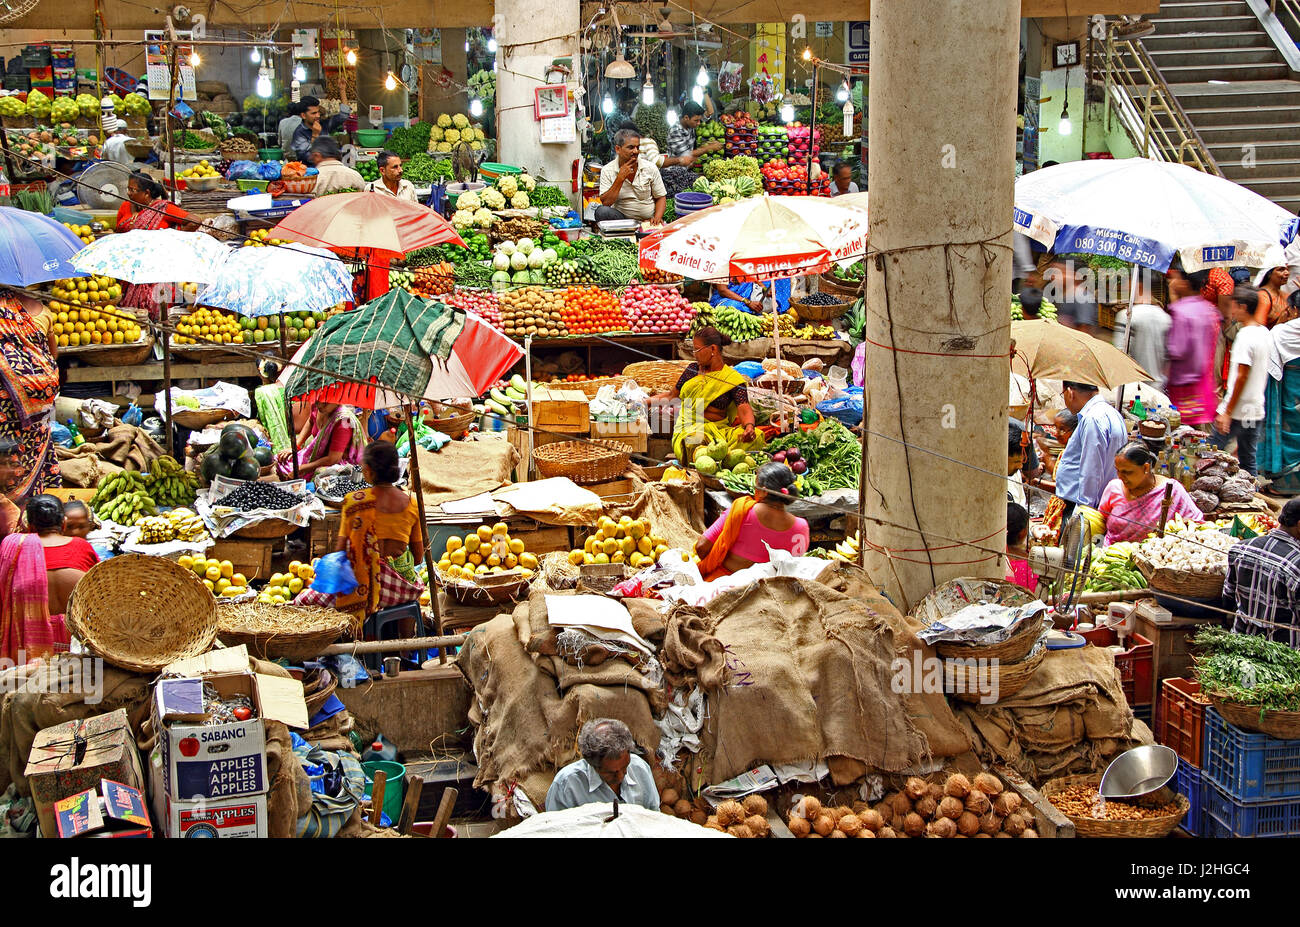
333 435
391 180
29 385
116 137
630 188
146 207
681 137
713 395
609 769
308 130
10 470
332 174
1264 580
842 179
748 297
1064 423
381 533
754 525
1131 503
1087 463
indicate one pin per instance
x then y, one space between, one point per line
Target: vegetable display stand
1134 664
1249 767
1180 721
1190 783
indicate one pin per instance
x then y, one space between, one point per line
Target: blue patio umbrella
34 248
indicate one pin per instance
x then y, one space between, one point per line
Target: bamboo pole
288 403
167 387
394 646
424 529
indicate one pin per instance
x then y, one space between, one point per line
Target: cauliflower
435 134
493 199
463 219
476 146
459 120
526 181
444 121
444 146
519 200
508 185
482 218
451 135
469 200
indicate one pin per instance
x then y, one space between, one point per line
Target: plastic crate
1180 722
1225 816
1143 714
36 56
1249 767
41 74
1135 665
1189 781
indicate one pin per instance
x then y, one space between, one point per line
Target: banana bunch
847 549
737 325
123 498
814 332
169 484
704 316
1113 570
784 324
176 525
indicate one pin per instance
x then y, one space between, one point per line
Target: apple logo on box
189 746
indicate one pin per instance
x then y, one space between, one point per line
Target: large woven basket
591 387
821 313
1285 725
970 684
956 594
142 613
1091 827
655 375
1180 582
829 283
112 355
1012 650
198 419
267 529
583 461
490 591
273 632
453 426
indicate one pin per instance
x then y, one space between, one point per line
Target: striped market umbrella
400 346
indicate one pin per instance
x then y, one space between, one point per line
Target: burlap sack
647 619
128 447
676 512
465 468
82 468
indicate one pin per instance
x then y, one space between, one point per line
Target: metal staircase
1214 86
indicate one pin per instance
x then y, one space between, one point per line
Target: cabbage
519 260
500 261
506 247
521 276
536 259
549 256
526 245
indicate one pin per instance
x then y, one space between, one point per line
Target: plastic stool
385 624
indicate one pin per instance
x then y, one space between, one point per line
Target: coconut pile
956 808
745 819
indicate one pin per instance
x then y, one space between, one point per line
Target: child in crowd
1018 570
76 519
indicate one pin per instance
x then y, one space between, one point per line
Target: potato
915 787
958 786
951 807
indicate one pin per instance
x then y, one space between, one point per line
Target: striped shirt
681 141
1264 579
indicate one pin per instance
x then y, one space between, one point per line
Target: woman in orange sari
744 534
381 533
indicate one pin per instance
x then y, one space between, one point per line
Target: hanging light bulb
351 58
702 79
467 45
697 94
492 46
390 82
195 60
255 56
787 112
476 107
299 72
807 53
843 93
607 105
1065 126
671 116
264 89
648 93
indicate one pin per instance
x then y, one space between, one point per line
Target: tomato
242 714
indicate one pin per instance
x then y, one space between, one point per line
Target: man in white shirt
1150 332
114 147
608 768
333 175
842 179
391 180
1242 408
630 188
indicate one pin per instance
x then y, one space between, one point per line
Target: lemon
227 569
295 585
213 573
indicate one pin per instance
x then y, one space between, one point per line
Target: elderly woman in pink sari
332 436
1131 502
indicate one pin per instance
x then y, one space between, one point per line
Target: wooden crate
614 488
252 558
561 409
551 434
545 539
636 435
324 534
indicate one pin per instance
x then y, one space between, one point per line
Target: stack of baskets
271 632
583 461
655 375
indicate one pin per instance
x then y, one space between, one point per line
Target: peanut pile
1084 801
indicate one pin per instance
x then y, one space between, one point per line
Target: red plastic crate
1180 722
1135 665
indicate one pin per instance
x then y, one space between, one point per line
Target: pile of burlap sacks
793 671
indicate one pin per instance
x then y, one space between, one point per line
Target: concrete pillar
941 175
435 100
530 35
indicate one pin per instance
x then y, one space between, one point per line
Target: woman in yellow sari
381 533
714 401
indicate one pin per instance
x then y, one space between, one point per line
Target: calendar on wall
557 131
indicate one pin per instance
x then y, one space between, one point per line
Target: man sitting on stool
608 767
630 188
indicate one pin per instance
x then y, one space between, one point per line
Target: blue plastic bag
133 415
846 408
751 370
334 575
243 170
62 437
268 170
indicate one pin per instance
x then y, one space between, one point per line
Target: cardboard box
75 756
635 434
244 816
560 409
225 760
114 810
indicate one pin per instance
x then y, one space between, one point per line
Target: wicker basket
558 572
112 355
1285 725
299 187
957 593
819 313
828 283
142 613
1012 650
490 591
1091 827
198 419
591 387
583 461
1180 582
267 529
452 427
655 375
272 632
971 685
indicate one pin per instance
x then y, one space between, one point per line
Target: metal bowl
1139 772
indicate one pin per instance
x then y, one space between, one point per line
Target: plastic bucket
371 138
492 170
394 788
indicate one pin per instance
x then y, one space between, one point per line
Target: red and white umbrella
761 238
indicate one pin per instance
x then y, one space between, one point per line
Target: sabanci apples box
214 760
